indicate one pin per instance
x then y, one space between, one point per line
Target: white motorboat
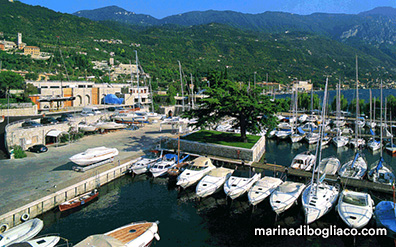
22 232
354 168
312 118
49 241
340 141
381 173
329 166
132 235
339 122
283 134
285 196
355 208
212 182
312 138
347 131
110 125
87 127
142 165
284 126
262 189
197 169
318 199
303 161
129 117
374 144
240 182
296 137
168 161
272 133
302 118
357 142
94 155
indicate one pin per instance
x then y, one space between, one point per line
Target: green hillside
202 48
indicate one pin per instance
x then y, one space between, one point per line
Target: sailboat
380 172
373 144
371 124
319 197
339 140
355 208
294 136
356 167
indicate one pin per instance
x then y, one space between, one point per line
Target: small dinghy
78 201
262 189
355 208
49 241
285 196
22 232
240 182
212 182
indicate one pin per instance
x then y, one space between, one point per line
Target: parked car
39 148
48 120
30 123
115 108
65 117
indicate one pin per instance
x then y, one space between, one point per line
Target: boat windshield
357 200
288 187
196 168
243 174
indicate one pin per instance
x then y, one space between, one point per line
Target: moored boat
78 201
142 165
197 168
49 241
240 182
303 161
262 189
132 235
355 208
22 232
329 165
213 181
285 195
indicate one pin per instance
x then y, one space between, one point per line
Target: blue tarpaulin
112 99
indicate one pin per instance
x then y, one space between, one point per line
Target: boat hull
78 201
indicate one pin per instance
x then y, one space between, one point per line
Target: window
89 86
54 86
44 86
81 86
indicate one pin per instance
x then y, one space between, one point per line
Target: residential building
32 50
302 85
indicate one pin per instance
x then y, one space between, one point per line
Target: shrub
19 152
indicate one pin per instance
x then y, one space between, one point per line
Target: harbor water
213 221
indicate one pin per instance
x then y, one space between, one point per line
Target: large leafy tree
10 80
252 110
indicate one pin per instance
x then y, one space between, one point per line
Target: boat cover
220 172
112 99
301 131
372 132
100 240
385 214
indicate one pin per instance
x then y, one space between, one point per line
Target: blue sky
163 8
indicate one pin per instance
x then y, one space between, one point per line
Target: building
84 93
8 45
2 47
270 85
302 86
32 50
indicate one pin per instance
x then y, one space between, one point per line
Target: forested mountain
284 55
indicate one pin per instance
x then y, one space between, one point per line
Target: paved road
25 180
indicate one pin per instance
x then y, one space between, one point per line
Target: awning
54 133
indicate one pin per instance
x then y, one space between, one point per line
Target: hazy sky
163 8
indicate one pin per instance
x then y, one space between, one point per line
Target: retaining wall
253 154
53 200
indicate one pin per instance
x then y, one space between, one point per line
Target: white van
90 111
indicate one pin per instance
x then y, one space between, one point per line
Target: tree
31 76
252 110
10 80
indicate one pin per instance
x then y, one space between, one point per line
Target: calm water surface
213 221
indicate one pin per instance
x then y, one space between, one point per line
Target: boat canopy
100 240
201 162
220 172
301 131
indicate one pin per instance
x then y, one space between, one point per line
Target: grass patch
222 138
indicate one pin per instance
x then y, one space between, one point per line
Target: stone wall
29 111
253 154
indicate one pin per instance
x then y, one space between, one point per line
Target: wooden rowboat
78 201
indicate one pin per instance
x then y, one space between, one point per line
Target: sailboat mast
382 126
357 103
181 84
322 128
137 77
151 94
371 108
